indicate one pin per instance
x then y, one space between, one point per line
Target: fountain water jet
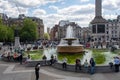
69 44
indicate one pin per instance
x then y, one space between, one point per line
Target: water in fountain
69 32
87 56
49 52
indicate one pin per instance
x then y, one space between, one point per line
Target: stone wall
71 68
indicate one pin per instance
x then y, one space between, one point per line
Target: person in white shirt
64 65
86 65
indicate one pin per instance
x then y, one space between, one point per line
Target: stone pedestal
17 43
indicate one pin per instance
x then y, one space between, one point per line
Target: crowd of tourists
10 55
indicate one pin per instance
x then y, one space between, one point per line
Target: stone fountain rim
70 38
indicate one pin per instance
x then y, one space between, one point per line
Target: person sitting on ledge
15 57
111 65
8 56
78 64
55 59
44 59
86 65
52 59
64 64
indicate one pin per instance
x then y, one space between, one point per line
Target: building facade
59 31
113 31
54 33
4 18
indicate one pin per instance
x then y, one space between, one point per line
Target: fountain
69 44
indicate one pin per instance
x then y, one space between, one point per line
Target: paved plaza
15 71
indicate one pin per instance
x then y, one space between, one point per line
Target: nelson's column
98 26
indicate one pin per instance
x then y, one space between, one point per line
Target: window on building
107 25
107 28
101 28
94 29
107 32
115 32
112 32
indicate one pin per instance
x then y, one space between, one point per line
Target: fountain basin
70 49
69 40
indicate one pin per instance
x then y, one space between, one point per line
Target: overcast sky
52 11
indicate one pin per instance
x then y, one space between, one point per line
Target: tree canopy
46 36
7 34
29 30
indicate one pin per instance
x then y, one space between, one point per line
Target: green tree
10 34
29 30
6 33
46 36
3 33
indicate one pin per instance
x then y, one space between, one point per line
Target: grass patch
98 56
116 52
99 50
35 55
70 57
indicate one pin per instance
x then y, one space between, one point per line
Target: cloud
111 4
11 10
77 9
26 3
113 16
31 3
39 12
84 0
54 7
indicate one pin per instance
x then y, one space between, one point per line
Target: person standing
116 63
8 56
21 58
92 66
37 68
